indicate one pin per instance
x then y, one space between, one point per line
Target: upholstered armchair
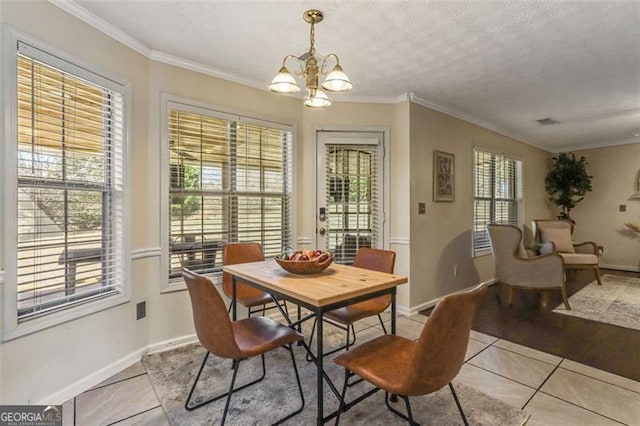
555 236
516 270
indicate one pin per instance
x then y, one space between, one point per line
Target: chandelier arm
323 70
298 61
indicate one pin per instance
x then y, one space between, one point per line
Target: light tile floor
553 390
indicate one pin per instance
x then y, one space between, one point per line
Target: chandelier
335 81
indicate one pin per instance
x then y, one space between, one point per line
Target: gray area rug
616 301
172 374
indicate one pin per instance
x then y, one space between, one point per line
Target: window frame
12 328
518 200
169 102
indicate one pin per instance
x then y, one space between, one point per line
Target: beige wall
43 363
615 176
441 238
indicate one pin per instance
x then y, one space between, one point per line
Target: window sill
52 319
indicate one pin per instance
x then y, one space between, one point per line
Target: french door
350 192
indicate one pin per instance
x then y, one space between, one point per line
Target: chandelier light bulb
284 82
337 81
317 99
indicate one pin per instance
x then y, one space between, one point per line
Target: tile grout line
581 407
542 384
504 377
528 356
137 414
601 380
113 383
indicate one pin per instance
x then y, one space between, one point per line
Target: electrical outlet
141 310
622 207
422 208
456 269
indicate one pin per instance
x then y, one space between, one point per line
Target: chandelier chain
312 47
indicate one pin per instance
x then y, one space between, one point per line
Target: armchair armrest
588 247
543 271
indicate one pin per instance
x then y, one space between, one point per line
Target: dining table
335 287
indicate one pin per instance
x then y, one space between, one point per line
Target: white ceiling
500 64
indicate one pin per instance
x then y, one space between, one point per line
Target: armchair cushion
561 238
579 259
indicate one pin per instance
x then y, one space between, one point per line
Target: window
68 168
497 194
229 180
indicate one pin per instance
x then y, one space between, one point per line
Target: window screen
70 170
229 181
497 194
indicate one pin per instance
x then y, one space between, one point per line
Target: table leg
234 307
393 311
319 365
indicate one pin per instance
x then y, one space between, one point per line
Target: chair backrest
539 224
443 342
506 244
233 254
375 259
212 323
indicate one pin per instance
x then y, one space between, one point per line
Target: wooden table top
335 284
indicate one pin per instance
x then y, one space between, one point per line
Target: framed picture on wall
443 176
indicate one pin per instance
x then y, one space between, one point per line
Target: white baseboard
620 268
99 376
431 303
171 343
86 383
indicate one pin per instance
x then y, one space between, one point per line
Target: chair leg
565 299
295 369
235 370
455 396
382 324
343 395
339 348
313 329
409 416
226 404
597 271
509 295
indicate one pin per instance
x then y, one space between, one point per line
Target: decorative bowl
305 267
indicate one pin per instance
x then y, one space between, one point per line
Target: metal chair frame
236 363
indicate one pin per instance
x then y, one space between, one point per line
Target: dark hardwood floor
603 346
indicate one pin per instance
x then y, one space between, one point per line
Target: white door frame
385 174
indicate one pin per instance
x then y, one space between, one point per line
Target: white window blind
70 175
497 189
353 207
230 181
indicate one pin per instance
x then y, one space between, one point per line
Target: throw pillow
561 237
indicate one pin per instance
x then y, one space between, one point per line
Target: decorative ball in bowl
305 262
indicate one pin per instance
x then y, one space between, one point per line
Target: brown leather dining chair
247 296
236 340
344 318
404 367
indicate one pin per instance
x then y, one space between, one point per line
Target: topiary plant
567 182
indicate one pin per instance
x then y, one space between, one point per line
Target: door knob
322 231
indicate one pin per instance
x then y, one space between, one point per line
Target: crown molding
166 58
98 23
470 119
595 145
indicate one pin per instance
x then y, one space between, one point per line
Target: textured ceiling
502 64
